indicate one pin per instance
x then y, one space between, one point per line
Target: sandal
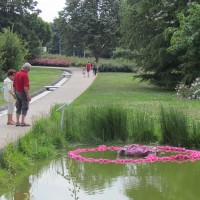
17 124
10 123
24 124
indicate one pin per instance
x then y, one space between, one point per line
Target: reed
174 127
195 134
142 127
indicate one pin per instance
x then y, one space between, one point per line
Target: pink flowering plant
65 62
189 92
177 154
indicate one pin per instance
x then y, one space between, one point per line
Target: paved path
40 105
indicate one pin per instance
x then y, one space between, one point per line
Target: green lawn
123 89
39 77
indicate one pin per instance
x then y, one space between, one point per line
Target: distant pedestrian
88 67
22 87
9 95
84 71
94 68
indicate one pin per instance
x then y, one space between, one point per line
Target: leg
25 107
11 107
19 108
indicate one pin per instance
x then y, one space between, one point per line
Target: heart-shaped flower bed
178 155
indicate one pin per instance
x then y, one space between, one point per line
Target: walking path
40 105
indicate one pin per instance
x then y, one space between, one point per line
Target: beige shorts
11 107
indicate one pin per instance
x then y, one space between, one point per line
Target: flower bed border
182 155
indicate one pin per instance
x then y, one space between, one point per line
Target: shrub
189 92
123 53
51 62
118 65
13 51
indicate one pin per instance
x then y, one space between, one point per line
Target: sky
50 8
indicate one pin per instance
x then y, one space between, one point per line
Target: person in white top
9 95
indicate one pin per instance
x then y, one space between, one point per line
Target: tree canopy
90 24
22 17
144 26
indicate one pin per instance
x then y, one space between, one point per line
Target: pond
56 180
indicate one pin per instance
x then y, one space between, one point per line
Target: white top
8 86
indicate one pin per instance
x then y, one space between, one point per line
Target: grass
122 89
39 77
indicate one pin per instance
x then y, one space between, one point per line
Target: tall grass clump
108 123
73 124
174 127
13 160
95 124
141 127
195 135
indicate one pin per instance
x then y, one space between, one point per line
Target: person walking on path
94 68
88 67
22 87
9 95
83 72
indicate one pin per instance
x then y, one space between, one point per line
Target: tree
91 24
143 27
185 43
22 17
13 50
37 35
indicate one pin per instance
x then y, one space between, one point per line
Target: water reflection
156 181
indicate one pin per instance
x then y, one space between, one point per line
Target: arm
26 89
11 92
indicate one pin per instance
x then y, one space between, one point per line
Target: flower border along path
179 155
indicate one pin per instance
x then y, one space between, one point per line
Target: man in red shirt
88 67
22 87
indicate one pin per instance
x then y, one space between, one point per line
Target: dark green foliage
22 17
174 127
12 50
185 43
144 26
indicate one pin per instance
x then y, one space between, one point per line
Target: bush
13 51
189 92
118 65
51 62
123 53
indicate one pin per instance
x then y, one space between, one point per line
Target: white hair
26 65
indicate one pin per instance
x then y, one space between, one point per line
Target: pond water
53 180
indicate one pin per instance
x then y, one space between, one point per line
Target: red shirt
88 66
21 80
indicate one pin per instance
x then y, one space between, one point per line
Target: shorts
22 103
10 107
